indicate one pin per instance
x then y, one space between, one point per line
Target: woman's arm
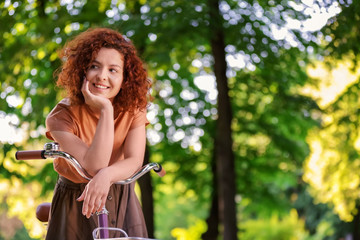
96 156
134 150
95 192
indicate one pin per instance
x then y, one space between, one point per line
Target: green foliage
181 206
22 234
342 32
192 233
288 228
320 221
332 168
271 118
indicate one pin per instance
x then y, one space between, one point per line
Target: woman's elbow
93 170
139 162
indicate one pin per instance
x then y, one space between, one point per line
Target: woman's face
105 74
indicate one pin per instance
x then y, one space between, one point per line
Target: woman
101 123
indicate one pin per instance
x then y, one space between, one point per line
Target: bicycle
52 150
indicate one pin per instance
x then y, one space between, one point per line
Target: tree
254 121
223 149
280 68
332 167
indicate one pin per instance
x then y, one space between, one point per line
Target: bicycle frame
51 150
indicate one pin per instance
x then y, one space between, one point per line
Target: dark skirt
67 222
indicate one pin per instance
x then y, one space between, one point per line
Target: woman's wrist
107 172
107 109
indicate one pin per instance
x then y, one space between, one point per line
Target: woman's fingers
95 206
85 89
88 202
91 208
98 102
82 196
102 204
93 201
95 194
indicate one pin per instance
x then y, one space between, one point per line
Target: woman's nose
102 75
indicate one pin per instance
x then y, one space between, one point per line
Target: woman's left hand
95 193
96 102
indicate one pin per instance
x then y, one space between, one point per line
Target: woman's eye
113 70
93 66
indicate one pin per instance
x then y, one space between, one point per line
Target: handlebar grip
161 171
27 155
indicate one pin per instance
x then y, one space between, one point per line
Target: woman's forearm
123 169
99 152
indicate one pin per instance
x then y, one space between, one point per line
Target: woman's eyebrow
111 65
115 65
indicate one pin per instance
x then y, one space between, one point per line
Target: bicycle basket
96 234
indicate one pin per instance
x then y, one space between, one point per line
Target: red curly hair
78 54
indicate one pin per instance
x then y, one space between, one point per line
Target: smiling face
105 74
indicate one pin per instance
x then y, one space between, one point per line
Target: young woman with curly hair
101 123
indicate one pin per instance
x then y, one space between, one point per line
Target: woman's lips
100 86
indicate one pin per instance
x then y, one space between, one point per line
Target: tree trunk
147 199
146 188
40 6
213 219
224 153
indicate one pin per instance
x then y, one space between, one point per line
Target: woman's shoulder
64 107
62 118
65 102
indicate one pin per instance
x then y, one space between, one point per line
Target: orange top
81 121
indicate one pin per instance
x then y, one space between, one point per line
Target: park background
255 114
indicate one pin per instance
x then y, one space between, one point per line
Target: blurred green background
255 113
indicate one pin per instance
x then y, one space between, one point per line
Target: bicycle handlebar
27 155
52 151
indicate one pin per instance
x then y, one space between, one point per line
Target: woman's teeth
100 86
